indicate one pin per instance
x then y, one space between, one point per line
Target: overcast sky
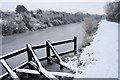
71 6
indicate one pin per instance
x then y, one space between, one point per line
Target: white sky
71 6
56 0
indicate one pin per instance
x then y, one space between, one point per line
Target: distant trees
12 23
39 11
20 9
112 10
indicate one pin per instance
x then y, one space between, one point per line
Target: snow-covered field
100 59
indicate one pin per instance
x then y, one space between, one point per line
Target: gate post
75 44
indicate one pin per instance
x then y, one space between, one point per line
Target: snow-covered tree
112 10
20 9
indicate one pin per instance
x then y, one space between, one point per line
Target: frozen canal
17 41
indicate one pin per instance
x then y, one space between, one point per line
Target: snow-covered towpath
103 53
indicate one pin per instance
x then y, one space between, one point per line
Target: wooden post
48 52
29 59
75 44
29 54
61 67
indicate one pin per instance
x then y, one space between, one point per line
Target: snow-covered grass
100 59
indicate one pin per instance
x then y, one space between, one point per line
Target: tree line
23 20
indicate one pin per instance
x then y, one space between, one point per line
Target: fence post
75 44
48 52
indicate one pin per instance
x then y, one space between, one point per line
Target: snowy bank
100 59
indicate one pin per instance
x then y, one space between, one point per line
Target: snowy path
105 52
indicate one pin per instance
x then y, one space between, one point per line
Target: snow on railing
9 70
37 64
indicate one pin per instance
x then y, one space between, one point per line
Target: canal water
54 34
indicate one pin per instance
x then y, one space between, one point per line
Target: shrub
90 25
